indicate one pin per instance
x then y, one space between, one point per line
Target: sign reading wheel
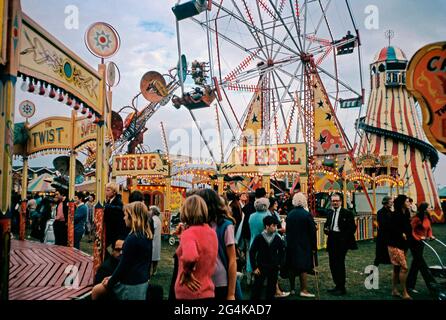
102 40
268 160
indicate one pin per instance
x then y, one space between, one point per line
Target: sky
148 42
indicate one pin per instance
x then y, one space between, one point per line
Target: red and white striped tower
392 127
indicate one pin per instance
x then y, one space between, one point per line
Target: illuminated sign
267 160
138 165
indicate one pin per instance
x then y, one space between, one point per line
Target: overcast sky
148 36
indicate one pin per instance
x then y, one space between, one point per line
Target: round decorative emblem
102 40
153 87
68 70
27 109
113 76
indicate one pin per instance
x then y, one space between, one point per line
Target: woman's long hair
422 211
217 211
194 211
139 218
398 204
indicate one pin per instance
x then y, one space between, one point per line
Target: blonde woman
130 279
197 253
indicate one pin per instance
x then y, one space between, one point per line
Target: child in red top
197 253
421 230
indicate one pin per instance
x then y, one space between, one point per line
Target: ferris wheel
272 47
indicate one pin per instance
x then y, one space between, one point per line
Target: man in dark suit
340 228
60 224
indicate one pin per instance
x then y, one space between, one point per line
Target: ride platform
48 272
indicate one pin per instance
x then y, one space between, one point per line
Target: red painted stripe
393 113
406 118
414 167
431 183
437 206
383 54
378 124
371 105
374 113
395 147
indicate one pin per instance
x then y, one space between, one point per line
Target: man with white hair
340 228
256 227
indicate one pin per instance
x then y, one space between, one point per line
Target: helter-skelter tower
391 127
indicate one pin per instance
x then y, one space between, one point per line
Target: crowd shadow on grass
356 263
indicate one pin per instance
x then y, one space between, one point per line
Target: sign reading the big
268 160
139 165
55 134
426 80
44 58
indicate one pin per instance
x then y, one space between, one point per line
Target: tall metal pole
101 178
180 70
8 80
22 219
71 183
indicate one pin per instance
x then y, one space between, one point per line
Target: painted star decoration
254 119
102 40
322 139
321 104
329 116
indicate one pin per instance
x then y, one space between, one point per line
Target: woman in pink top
197 253
421 231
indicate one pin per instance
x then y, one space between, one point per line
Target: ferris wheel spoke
249 26
296 22
345 85
226 38
286 27
263 30
325 18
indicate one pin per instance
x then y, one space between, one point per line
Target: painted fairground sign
267 160
56 134
45 58
426 80
139 165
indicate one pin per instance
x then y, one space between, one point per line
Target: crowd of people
46 217
403 227
222 238
225 238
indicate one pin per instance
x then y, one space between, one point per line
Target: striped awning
41 184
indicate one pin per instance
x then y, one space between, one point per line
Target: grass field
356 263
